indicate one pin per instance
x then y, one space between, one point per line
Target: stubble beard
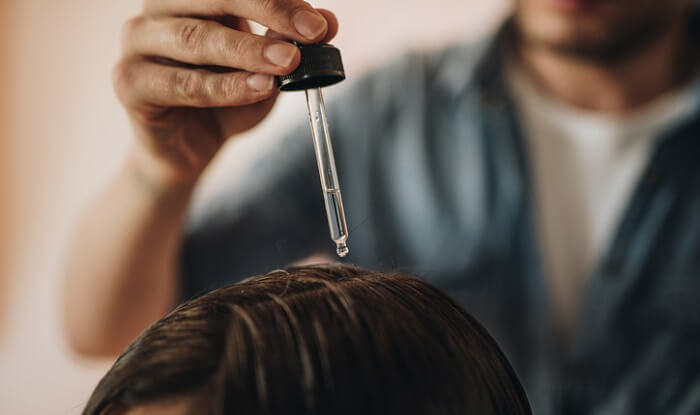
622 42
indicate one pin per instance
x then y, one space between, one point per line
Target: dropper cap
321 66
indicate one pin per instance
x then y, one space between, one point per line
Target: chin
556 28
593 29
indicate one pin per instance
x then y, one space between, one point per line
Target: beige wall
4 174
62 134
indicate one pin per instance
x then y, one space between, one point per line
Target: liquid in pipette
336 224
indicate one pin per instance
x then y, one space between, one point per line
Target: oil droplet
342 250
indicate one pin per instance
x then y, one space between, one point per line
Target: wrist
157 177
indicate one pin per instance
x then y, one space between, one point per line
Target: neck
661 66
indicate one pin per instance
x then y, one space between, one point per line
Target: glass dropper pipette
321 66
327 171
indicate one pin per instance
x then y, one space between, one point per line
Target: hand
192 74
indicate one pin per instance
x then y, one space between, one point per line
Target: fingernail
260 82
309 25
280 54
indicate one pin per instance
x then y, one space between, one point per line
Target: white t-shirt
585 166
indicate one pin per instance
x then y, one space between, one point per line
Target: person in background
320 340
546 176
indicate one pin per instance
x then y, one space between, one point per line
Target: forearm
121 266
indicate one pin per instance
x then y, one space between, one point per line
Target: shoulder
453 67
411 81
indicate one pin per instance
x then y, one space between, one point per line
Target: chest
467 223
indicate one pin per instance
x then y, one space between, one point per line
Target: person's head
315 340
599 30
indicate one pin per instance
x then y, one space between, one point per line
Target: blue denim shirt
436 182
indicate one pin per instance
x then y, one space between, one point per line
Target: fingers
295 19
333 24
144 83
332 28
206 42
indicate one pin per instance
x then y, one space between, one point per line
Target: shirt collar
476 66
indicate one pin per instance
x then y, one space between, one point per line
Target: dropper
321 66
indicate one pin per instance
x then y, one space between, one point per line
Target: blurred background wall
3 172
62 134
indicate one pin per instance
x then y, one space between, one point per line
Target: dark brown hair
316 340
